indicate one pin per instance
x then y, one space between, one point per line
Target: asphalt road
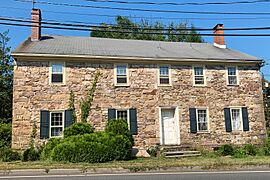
245 175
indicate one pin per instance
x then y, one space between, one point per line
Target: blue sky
257 46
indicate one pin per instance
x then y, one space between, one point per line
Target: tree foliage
125 24
6 77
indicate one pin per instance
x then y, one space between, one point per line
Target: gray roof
90 46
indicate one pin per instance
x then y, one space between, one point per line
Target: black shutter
193 121
68 118
133 121
44 124
111 114
227 115
245 119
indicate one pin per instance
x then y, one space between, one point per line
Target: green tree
6 77
136 30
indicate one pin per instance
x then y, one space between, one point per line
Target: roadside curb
91 171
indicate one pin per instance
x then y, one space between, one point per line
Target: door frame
176 116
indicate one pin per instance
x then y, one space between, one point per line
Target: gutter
125 58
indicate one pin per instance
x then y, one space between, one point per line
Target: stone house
170 93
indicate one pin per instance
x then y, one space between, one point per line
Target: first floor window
122 114
232 76
57 72
199 76
56 124
121 74
164 76
202 121
236 119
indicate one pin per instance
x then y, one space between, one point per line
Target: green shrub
78 129
7 155
153 151
52 143
226 150
5 135
250 149
240 153
119 127
31 154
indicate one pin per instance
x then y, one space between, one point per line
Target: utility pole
34 2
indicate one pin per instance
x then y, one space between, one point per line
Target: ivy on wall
71 106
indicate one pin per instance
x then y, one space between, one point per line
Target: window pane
164 71
236 121
57 78
164 81
202 120
121 70
121 80
56 119
232 80
122 115
198 71
232 71
57 68
199 80
56 131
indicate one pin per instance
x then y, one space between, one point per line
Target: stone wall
33 93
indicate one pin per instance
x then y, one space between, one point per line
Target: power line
178 4
128 32
147 10
136 17
132 27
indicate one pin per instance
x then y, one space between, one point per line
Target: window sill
121 85
196 85
164 85
57 84
233 85
203 132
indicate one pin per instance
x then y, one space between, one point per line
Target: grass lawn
142 164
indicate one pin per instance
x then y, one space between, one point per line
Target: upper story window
232 76
57 72
56 124
164 75
199 76
121 74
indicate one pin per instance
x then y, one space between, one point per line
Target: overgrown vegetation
71 106
5 135
142 31
87 102
81 144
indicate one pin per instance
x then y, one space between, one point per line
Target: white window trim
128 120
63 124
204 75
64 73
207 116
227 76
241 118
170 75
115 75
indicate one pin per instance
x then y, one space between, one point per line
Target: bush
52 143
78 129
31 154
250 149
119 127
5 135
240 153
152 151
7 155
226 150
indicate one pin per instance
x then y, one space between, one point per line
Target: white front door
170 127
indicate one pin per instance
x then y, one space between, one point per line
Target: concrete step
186 155
181 152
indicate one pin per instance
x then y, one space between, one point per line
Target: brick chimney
219 40
36 25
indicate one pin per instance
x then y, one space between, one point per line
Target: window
121 74
232 76
236 119
164 75
56 124
57 72
202 120
123 114
199 78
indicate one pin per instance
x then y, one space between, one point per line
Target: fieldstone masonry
33 93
